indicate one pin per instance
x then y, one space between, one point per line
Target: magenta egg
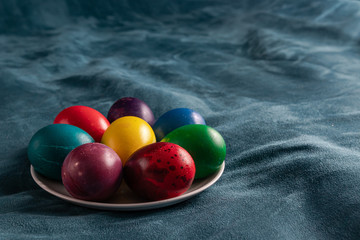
92 172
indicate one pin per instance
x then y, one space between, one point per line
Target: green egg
205 145
50 145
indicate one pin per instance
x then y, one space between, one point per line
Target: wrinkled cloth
278 79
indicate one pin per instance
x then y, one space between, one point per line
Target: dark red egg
92 172
159 171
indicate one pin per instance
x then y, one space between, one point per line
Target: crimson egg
86 118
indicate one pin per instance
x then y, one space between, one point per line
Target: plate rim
127 206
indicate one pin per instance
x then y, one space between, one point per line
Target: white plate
124 199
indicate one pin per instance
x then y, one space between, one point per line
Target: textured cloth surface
278 79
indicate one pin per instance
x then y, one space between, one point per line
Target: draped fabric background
278 79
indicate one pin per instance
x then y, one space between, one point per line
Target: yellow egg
126 135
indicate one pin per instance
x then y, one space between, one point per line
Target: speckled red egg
159 171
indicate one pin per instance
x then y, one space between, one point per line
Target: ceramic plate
124 199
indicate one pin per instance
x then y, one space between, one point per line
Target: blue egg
50 145
174 119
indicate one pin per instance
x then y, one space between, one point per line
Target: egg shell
86 118
130 106
159 171
174 119
50 145
205 145
92 172
127 134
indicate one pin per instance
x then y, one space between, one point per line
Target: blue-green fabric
278 79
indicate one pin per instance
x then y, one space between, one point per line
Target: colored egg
92 172
50 145
127 134
86 118
129 106
205 145
159 171
174 119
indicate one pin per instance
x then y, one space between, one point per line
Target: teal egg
50 145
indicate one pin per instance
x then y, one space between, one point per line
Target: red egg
159 171
92 171
86 118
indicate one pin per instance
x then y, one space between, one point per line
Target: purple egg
92 172
129 106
